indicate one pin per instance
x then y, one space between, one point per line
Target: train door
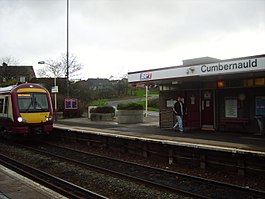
207 109
192 109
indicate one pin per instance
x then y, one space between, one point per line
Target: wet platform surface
149 129
15 186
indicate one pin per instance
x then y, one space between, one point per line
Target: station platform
15 186
149 129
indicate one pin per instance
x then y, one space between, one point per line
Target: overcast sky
114 37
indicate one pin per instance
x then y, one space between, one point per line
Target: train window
33 102
6 105
1 105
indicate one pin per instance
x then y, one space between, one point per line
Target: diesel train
25 109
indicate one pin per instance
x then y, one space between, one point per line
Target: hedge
103 109
130 106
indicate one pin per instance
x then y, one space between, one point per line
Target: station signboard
70 103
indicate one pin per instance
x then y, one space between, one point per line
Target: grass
103 102
148 108
100 102
132 93
141 93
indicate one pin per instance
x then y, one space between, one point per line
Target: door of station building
207 109
192 103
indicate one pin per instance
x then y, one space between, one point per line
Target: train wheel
3 133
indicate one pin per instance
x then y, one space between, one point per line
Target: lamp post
55 91
67 48
146 99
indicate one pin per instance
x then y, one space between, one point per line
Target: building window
22 79
236 83
231 107
248 83
1 105
260 105
254 82
260 82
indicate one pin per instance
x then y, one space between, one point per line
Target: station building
219 95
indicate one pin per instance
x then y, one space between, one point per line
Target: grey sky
112 37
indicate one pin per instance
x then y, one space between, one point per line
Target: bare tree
52 68
74 66
9 61
57 68
6 75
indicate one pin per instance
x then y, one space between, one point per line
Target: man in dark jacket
179 111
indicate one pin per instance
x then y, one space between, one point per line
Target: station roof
205 68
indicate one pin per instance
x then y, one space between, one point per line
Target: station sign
54 89
70 103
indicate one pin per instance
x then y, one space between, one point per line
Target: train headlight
20 119
49 118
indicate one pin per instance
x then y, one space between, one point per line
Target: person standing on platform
179 110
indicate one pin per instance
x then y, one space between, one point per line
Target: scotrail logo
145 76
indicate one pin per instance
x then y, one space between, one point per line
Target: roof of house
17 71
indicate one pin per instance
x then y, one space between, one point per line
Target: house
16 73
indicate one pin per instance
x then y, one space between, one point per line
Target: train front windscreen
33 102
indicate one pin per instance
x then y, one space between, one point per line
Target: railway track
59 185
162 179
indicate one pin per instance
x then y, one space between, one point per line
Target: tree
74 66
6 76
122 87
52 68
9 61
57 68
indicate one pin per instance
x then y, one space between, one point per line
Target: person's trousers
179 122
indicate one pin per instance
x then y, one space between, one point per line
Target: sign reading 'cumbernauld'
229 66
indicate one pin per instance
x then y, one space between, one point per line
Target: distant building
16 73
99 83
48 83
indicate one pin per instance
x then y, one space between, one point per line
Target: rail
59 185
168 180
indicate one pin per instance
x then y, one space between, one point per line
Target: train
25 109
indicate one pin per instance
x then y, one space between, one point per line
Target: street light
67 48
54 90
146 99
